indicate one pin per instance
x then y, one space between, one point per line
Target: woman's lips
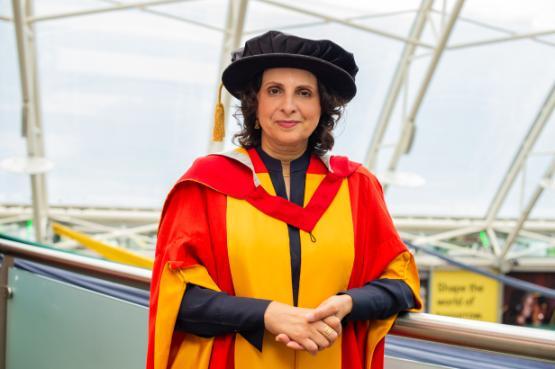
287 123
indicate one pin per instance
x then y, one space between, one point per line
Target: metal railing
508 339
129 275
534 343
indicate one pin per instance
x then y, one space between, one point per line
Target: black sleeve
380 299
208 313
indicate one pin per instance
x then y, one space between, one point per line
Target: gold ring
328 332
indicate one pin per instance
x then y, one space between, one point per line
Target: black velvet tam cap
330 63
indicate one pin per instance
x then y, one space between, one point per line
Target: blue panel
118 290
54 325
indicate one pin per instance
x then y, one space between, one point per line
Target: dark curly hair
319 142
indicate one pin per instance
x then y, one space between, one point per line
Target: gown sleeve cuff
255 336
379 299
359 296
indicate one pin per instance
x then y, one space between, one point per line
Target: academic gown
229 235
208 313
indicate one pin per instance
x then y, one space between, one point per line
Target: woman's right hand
292 321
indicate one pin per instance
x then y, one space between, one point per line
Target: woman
277 255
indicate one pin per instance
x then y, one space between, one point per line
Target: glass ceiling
127 98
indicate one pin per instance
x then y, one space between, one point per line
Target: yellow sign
463 294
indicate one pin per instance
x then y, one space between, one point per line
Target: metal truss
141 238
531 264
31 112
167 15
138 226
327 21
235 23
510 177
527 210
399 78
498 29
409 125
344 22
137 237
532 35
12 213
119 7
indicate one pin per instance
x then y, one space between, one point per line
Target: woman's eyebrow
273 83
310 87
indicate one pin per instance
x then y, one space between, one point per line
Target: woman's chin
292 141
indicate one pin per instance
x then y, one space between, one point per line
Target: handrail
508 339
535 343
83 264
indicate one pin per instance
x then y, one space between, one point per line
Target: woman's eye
305 93
273 90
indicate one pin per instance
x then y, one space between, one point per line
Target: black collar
274 165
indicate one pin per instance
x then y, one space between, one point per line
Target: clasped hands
308 329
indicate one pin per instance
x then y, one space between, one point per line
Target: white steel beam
438 224
6 19
235 24
147 228
31 113
500 39
453 249
104 232
143 242
107 231
529 234
38 141
322 22
137 216
396 84
144 246
430 261
527 210
86 225
166 15
534 264
409 123
524 265
447 235
494 241
497 28
89 213
457 250
434 224
101 10
329 18
521 156
14 219
517 255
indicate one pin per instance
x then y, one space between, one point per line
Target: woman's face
288 107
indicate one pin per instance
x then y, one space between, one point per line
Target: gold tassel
218 133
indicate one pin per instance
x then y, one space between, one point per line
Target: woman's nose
288 104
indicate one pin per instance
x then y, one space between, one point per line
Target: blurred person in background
528 309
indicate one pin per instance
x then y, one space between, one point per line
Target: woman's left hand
337 305
334 307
